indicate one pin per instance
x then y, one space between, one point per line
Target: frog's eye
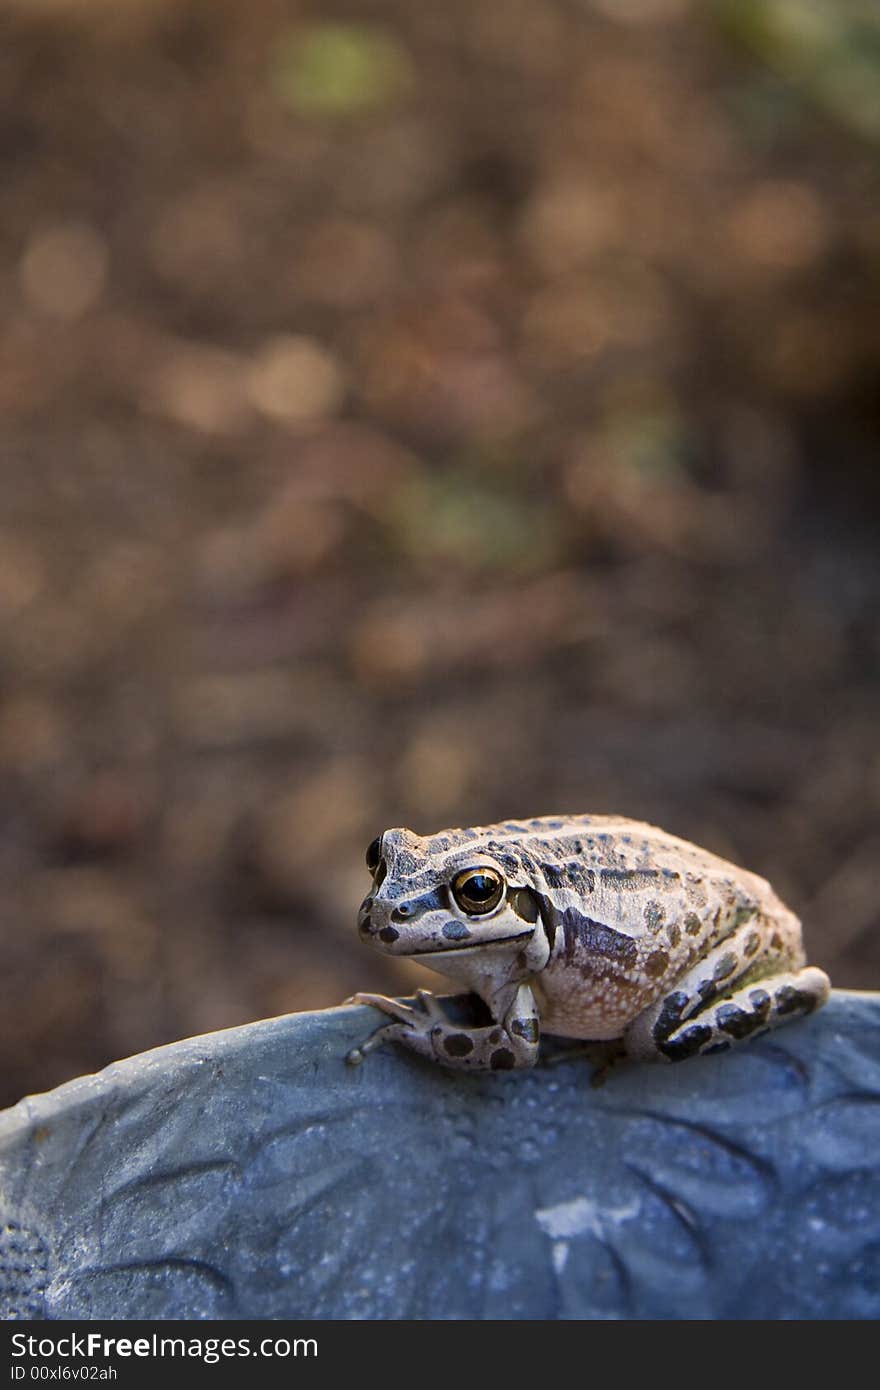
477 890
375 863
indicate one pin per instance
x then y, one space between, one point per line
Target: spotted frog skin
592 927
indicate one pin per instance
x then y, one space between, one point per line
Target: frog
590 927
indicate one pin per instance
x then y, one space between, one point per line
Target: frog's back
628 855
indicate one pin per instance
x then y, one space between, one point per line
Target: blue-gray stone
251 1173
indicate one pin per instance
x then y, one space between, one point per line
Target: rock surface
251 1173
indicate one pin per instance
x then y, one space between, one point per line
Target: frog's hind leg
729 996
745 1013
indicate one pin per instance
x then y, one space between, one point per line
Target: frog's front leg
500 1046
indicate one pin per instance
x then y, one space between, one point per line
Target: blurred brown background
420 414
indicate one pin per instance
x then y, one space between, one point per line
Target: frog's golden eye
477 890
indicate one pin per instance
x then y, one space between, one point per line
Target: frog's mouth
474 945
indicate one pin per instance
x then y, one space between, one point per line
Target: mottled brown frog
592 927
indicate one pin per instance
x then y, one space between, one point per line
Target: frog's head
446 898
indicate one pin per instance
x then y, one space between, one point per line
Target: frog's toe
394 1008
389 1032
430 1004
417 1037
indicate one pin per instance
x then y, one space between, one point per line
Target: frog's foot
603 1056
412 1026
614 1057
395 1008
426 1030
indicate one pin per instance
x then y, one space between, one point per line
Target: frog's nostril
402 911
364 923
